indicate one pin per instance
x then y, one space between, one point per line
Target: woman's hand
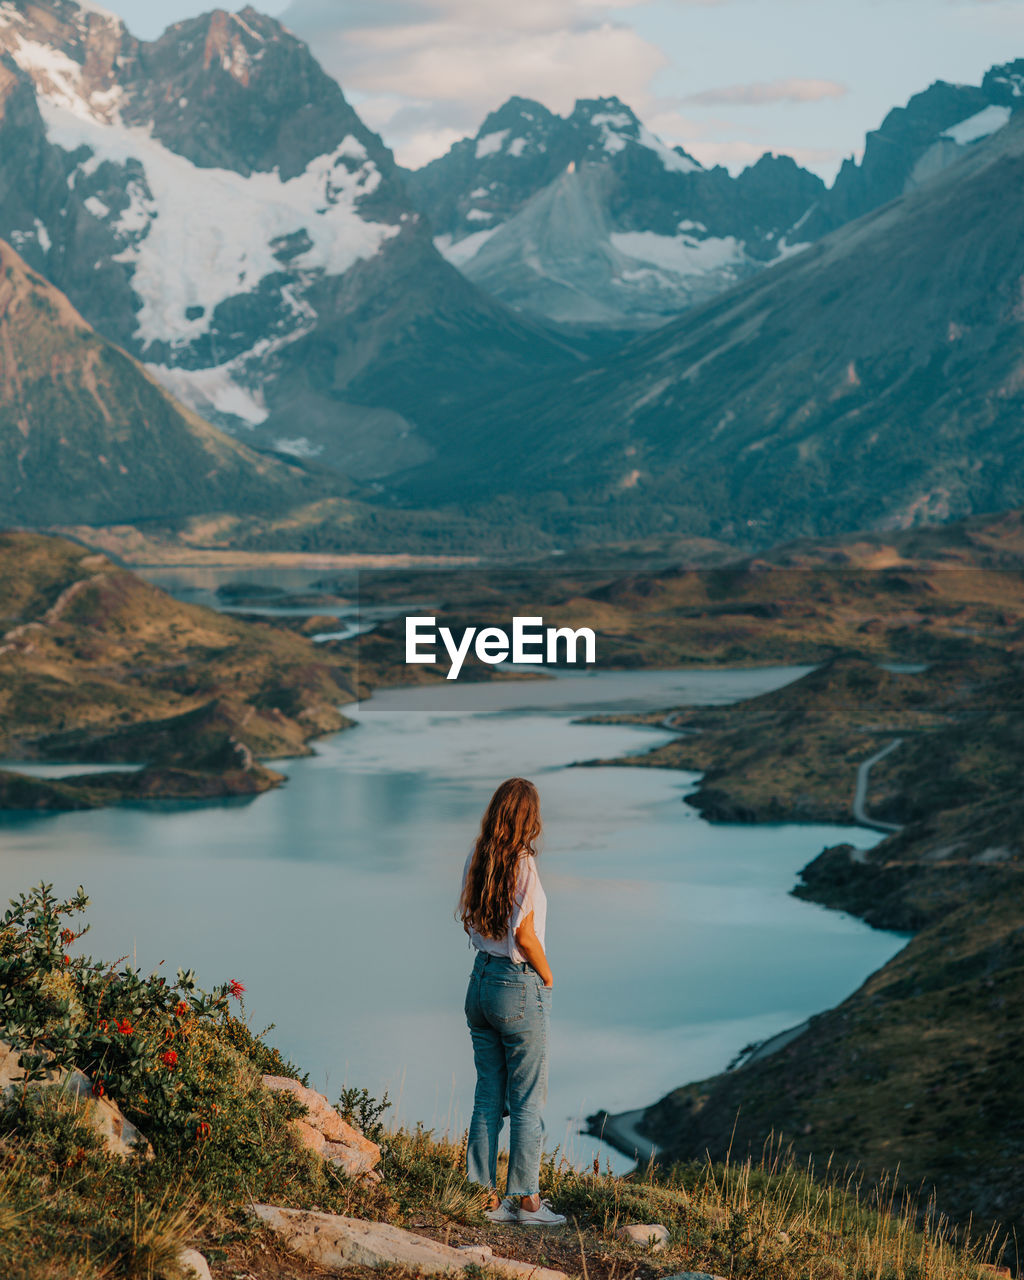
530 945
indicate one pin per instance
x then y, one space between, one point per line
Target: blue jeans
508 1009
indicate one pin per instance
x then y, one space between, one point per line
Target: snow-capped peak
618 127
73 66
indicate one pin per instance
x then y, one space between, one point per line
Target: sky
726 79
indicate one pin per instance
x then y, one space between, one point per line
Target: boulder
324 1132
652 1235
337 1242
101 1114
194 1265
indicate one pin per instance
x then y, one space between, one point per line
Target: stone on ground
194 1265
338 1242
324 1132
101 1114
651 1234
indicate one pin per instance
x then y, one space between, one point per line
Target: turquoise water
674 942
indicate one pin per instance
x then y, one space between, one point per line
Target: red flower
125 1027
169 1059
66 936
203 1130
97 1089
102 1025
181 1008
67 959
235 989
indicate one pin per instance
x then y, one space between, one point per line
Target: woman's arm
530 945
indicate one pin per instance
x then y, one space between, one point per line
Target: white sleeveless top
529 896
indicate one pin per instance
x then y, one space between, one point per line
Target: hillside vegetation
186 1069
921 1065
87 435
98 666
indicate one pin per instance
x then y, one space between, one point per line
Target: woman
508 1003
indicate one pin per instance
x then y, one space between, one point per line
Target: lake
674 942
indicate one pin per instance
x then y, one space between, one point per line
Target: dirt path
861 792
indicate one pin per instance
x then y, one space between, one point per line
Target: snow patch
479 193
490 144
680 255
985 122
479 215
786 250
58 79
516 147
300 447
43 236
200 236
215 389
673 161
609 122
459 252
96 207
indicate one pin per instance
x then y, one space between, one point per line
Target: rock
194 1264
324 1132
334 1241
102 1115
484 1250
652 1235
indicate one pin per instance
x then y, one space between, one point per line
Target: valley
264 389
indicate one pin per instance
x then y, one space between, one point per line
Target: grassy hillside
921 1065
96 665
221 1140
87 435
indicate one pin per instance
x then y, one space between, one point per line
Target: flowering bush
169 1053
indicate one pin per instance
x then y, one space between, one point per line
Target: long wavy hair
510 827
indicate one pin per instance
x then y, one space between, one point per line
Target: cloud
763 93
425 71
713 141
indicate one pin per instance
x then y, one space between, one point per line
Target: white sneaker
505 1212
545 1216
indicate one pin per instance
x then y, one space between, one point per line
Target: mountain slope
592 220
86 435
915 142
874 380
211 202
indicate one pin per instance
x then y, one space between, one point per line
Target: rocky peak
238 91
607 127
1004 85
519 126
76 54
915 142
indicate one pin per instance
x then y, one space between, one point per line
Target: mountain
874 380
592 220
86 435
915 142
212 203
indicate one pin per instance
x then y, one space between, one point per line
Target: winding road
860 795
